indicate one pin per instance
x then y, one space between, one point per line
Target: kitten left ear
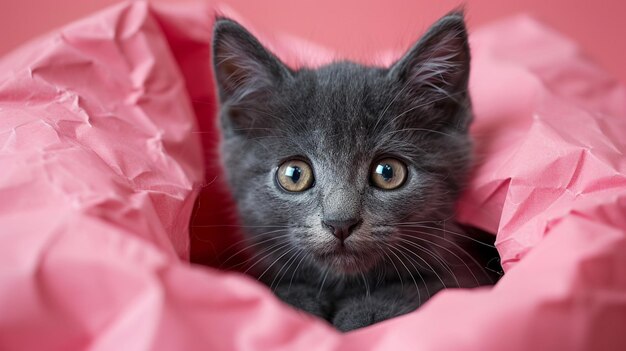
243 67
439 62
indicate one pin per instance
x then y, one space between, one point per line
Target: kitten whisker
367 286
259 138
432 253
395 267
409 223
417 130
448 250
435 221
434 256
323 281
413 262
275 261
431 268
247 247
240 242
417 271
466 236
304 256
257 254
291 259
281 237
272 252
409 272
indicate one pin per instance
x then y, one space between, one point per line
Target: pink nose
342 229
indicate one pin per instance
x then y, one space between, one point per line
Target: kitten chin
346 261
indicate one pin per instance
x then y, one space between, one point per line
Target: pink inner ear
243 66
229 70
231 67
442 62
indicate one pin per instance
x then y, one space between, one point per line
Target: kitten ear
242 66
439 62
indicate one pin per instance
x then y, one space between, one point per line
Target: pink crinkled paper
107 137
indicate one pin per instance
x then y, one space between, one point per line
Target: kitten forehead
339 113
332 119
348 74
343 94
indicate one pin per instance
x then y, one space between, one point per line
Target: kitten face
330 161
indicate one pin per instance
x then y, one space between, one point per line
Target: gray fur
340 118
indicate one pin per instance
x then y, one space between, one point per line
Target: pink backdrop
598 26
103 127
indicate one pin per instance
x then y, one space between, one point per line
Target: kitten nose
343 228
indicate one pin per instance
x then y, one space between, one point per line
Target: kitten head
330 161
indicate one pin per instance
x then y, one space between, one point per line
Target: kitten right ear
243 67
440 61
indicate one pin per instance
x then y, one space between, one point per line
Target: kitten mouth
344 259
340 250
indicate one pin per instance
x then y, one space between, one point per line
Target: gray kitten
345 176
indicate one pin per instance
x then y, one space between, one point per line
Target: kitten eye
388 174
295 175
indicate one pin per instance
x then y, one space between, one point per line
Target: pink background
598 26
98 144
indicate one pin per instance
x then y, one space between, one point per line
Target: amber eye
295 175
388 173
